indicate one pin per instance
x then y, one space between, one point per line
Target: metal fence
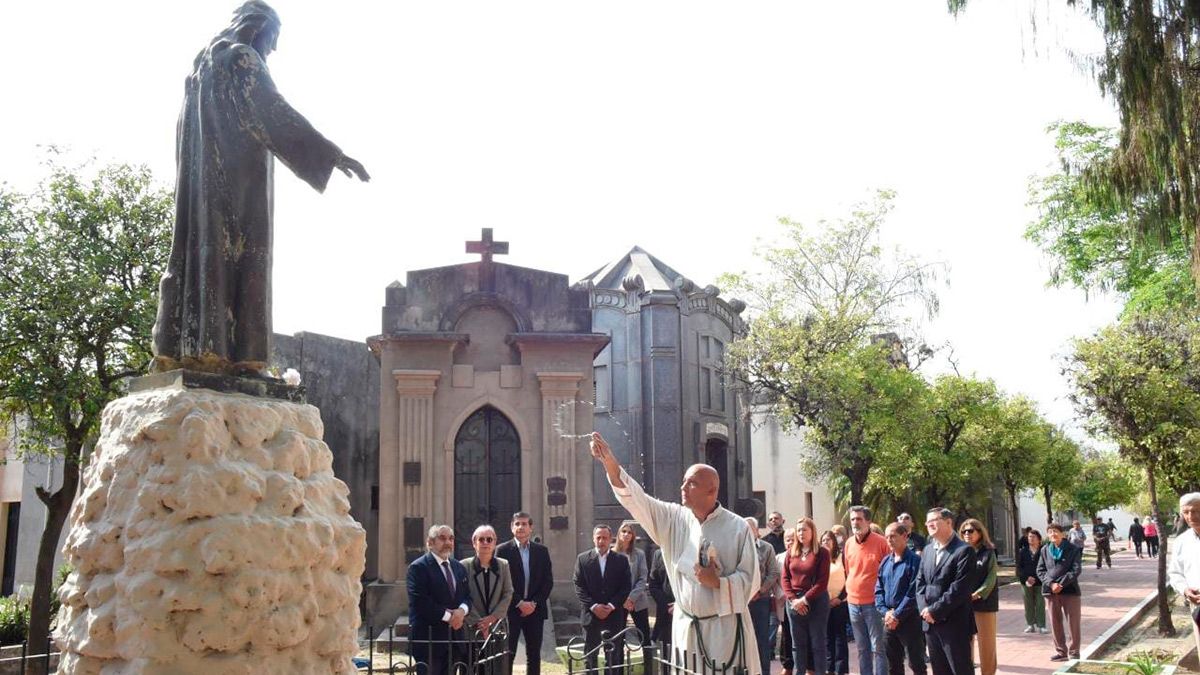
640 659
31 662
476 654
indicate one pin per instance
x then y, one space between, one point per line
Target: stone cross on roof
486 247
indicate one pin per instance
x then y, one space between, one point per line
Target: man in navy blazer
944 596
438 601
531 592
602 583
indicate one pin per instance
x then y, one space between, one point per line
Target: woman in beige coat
490 585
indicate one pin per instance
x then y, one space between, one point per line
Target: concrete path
1107 595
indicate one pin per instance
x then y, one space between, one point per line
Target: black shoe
1059 657
1075 656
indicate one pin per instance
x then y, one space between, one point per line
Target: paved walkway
1107 595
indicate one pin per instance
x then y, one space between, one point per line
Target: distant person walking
1031 585
985 601
1059 567
1137 535
1102 535
1151 531
1076 536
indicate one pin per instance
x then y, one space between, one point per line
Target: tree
80 260
824 346
1058 471
1148 70
1019 439
943 455
1093 243
1105 482
1138 384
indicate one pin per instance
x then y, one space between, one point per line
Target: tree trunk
57 509
1049 510
1166 627
1016 521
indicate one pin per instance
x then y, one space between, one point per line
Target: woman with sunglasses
638 602
491 590
985 600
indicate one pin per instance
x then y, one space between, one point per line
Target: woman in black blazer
1059 567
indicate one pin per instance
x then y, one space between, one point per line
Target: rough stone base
211 537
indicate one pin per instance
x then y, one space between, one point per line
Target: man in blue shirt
895 598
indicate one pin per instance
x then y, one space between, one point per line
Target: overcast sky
580 129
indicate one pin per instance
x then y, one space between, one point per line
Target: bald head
699 490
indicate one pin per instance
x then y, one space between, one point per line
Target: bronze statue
214 311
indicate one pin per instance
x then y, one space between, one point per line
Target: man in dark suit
944 596
533 579
602 582
664 600
438 601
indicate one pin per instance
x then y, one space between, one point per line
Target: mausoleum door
487 476
716 455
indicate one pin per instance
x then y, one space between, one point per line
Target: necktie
449 576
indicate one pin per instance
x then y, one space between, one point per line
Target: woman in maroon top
805 584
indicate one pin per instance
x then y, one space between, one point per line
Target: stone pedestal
211 537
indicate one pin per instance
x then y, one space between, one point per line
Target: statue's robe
215 301
708 623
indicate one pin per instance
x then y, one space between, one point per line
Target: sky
578 130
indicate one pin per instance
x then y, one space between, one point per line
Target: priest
711 563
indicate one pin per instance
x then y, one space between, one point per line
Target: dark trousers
434 656
531 628
906 639
1103 552
837 643
785 640
760 618
809 641
613 658
641 621
1137 545
1152 546
950 649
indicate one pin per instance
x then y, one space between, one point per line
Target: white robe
681 536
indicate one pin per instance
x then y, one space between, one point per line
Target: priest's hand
603 452
352 167
709 575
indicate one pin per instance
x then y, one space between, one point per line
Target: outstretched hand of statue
352 167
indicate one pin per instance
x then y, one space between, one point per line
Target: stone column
414 463
558 453
211 536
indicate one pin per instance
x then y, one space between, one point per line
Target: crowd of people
906 600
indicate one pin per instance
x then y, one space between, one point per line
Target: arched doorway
487 476
716 455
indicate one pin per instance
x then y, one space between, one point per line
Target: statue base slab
211 536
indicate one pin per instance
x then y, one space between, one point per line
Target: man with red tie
438 601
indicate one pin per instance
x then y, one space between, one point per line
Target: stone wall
341 379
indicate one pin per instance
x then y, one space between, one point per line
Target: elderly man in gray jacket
760 605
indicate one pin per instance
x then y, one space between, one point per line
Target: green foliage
1145 663
79 266
80 259
1093 240
14 620
823 346
1148 70
1105 482
1058 470
1138 384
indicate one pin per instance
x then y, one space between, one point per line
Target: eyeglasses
486 540
968 530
